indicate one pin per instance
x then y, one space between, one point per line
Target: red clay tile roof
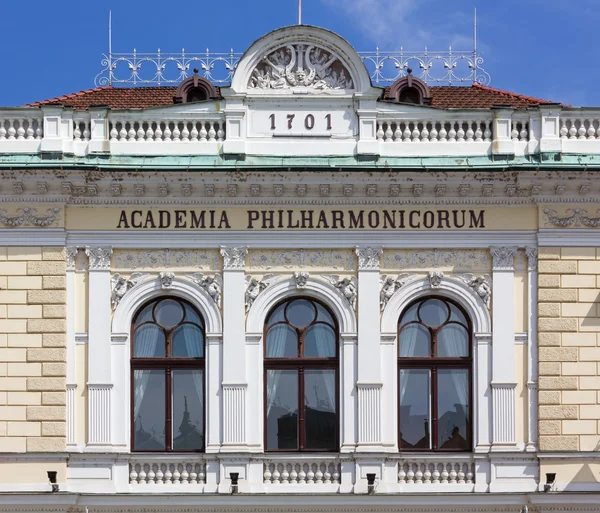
444 97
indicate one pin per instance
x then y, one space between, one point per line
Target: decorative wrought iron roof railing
161 68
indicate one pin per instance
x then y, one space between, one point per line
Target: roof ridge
511 94
68 96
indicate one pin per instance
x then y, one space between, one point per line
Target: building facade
299 292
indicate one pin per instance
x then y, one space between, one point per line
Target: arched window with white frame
435 365
301 367
167 377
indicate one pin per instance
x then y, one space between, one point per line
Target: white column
503 349
369 350
71 347
532 348
99 347
234 349
213 379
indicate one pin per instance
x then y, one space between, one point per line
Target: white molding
33 237
99 414
581 237
292 239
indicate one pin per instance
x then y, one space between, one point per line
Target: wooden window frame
302 364
434 363
167 364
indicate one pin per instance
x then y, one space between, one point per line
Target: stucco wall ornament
166 279
348 286
166 258
302 258
71 256
574 217
461 259
254 287
300 66
234 258
435 278
29 217
389 285
480 284
368 258
503 258
121 285
212 284
99 258
301 277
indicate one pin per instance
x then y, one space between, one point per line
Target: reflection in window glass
319 341
433 312
149 342
149 410
282 342
319 409
453 408
187 342
415 341
300 313
453 340
187 421
282 409
415 415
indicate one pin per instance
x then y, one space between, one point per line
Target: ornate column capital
532 258
368 258
71 255
234 258
99 258
503 258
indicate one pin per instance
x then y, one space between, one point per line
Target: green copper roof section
216 162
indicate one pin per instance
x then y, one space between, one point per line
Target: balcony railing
167 470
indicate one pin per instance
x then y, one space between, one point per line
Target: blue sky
542 48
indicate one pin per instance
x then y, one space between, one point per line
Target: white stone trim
480 317
532 349
577 237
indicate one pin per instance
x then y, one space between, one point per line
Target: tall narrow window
434 375
301 378
167 377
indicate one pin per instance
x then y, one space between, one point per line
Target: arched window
301 377
167 376
434 373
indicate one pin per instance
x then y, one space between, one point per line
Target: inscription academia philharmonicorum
302 219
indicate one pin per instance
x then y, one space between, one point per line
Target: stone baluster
20 129
424 132
524 132
11 130
380 134
443 132
176 131
416 133
194 131
140 133
76 131
158 133
86 130
30 130
433 133
212 133
131 131
460 133
487 133
389 134
149 131
470 133
123 130
167 132
185 132
572 129
114 133
591 131
3 130
203 131
452 132
406 133
581 131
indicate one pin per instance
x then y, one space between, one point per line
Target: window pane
188 410
320 419
453 408
415 411
145 315
300 313
277 315
323 315
168 313
319 341
453 340
410 314
191 315
149 410
187 342
149 341
434 312
415 341
282 342
282 409
457 315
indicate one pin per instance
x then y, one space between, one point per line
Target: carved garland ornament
575 217
28 217
300 66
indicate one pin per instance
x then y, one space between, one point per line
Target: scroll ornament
122 285
254 287
213 285
347 286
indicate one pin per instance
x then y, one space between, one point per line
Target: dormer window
409 89
195 89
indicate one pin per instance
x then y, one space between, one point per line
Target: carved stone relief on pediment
300 66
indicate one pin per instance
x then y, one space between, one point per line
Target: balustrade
582 128
81 129
171 472
167 131
302 472
434 131
436 472
20 128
